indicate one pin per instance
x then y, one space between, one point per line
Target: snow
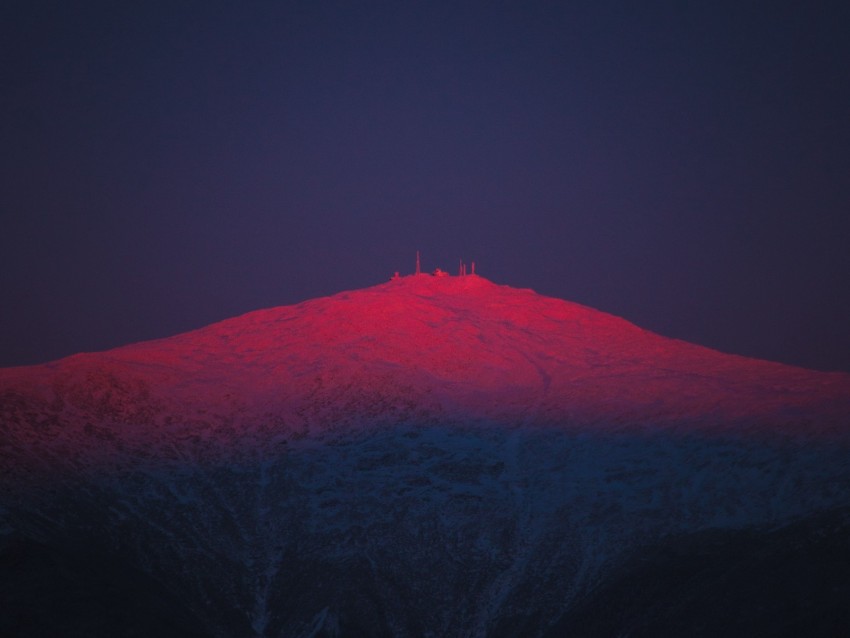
468 451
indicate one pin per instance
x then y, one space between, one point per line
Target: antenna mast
418 270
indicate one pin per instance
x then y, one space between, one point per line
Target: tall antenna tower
418 269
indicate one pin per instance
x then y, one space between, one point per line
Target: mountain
433 456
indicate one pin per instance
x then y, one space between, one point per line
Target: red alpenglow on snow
415 349
434 455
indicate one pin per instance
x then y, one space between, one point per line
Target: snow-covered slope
430 456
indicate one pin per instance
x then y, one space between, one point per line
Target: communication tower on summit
463 269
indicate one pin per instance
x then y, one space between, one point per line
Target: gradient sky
169 164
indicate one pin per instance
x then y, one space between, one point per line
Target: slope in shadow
791 581
56 591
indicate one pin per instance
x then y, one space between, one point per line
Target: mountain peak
460 347
410 457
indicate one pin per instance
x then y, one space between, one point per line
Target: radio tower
418 270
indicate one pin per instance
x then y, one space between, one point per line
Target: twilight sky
169 164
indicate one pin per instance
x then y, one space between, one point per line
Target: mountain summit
454 347
430 456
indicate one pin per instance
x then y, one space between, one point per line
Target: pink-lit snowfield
457 348
478 458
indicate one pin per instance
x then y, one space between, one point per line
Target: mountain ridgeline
432 456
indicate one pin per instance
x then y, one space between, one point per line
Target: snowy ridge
427 457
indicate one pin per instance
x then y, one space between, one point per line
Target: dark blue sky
166 165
